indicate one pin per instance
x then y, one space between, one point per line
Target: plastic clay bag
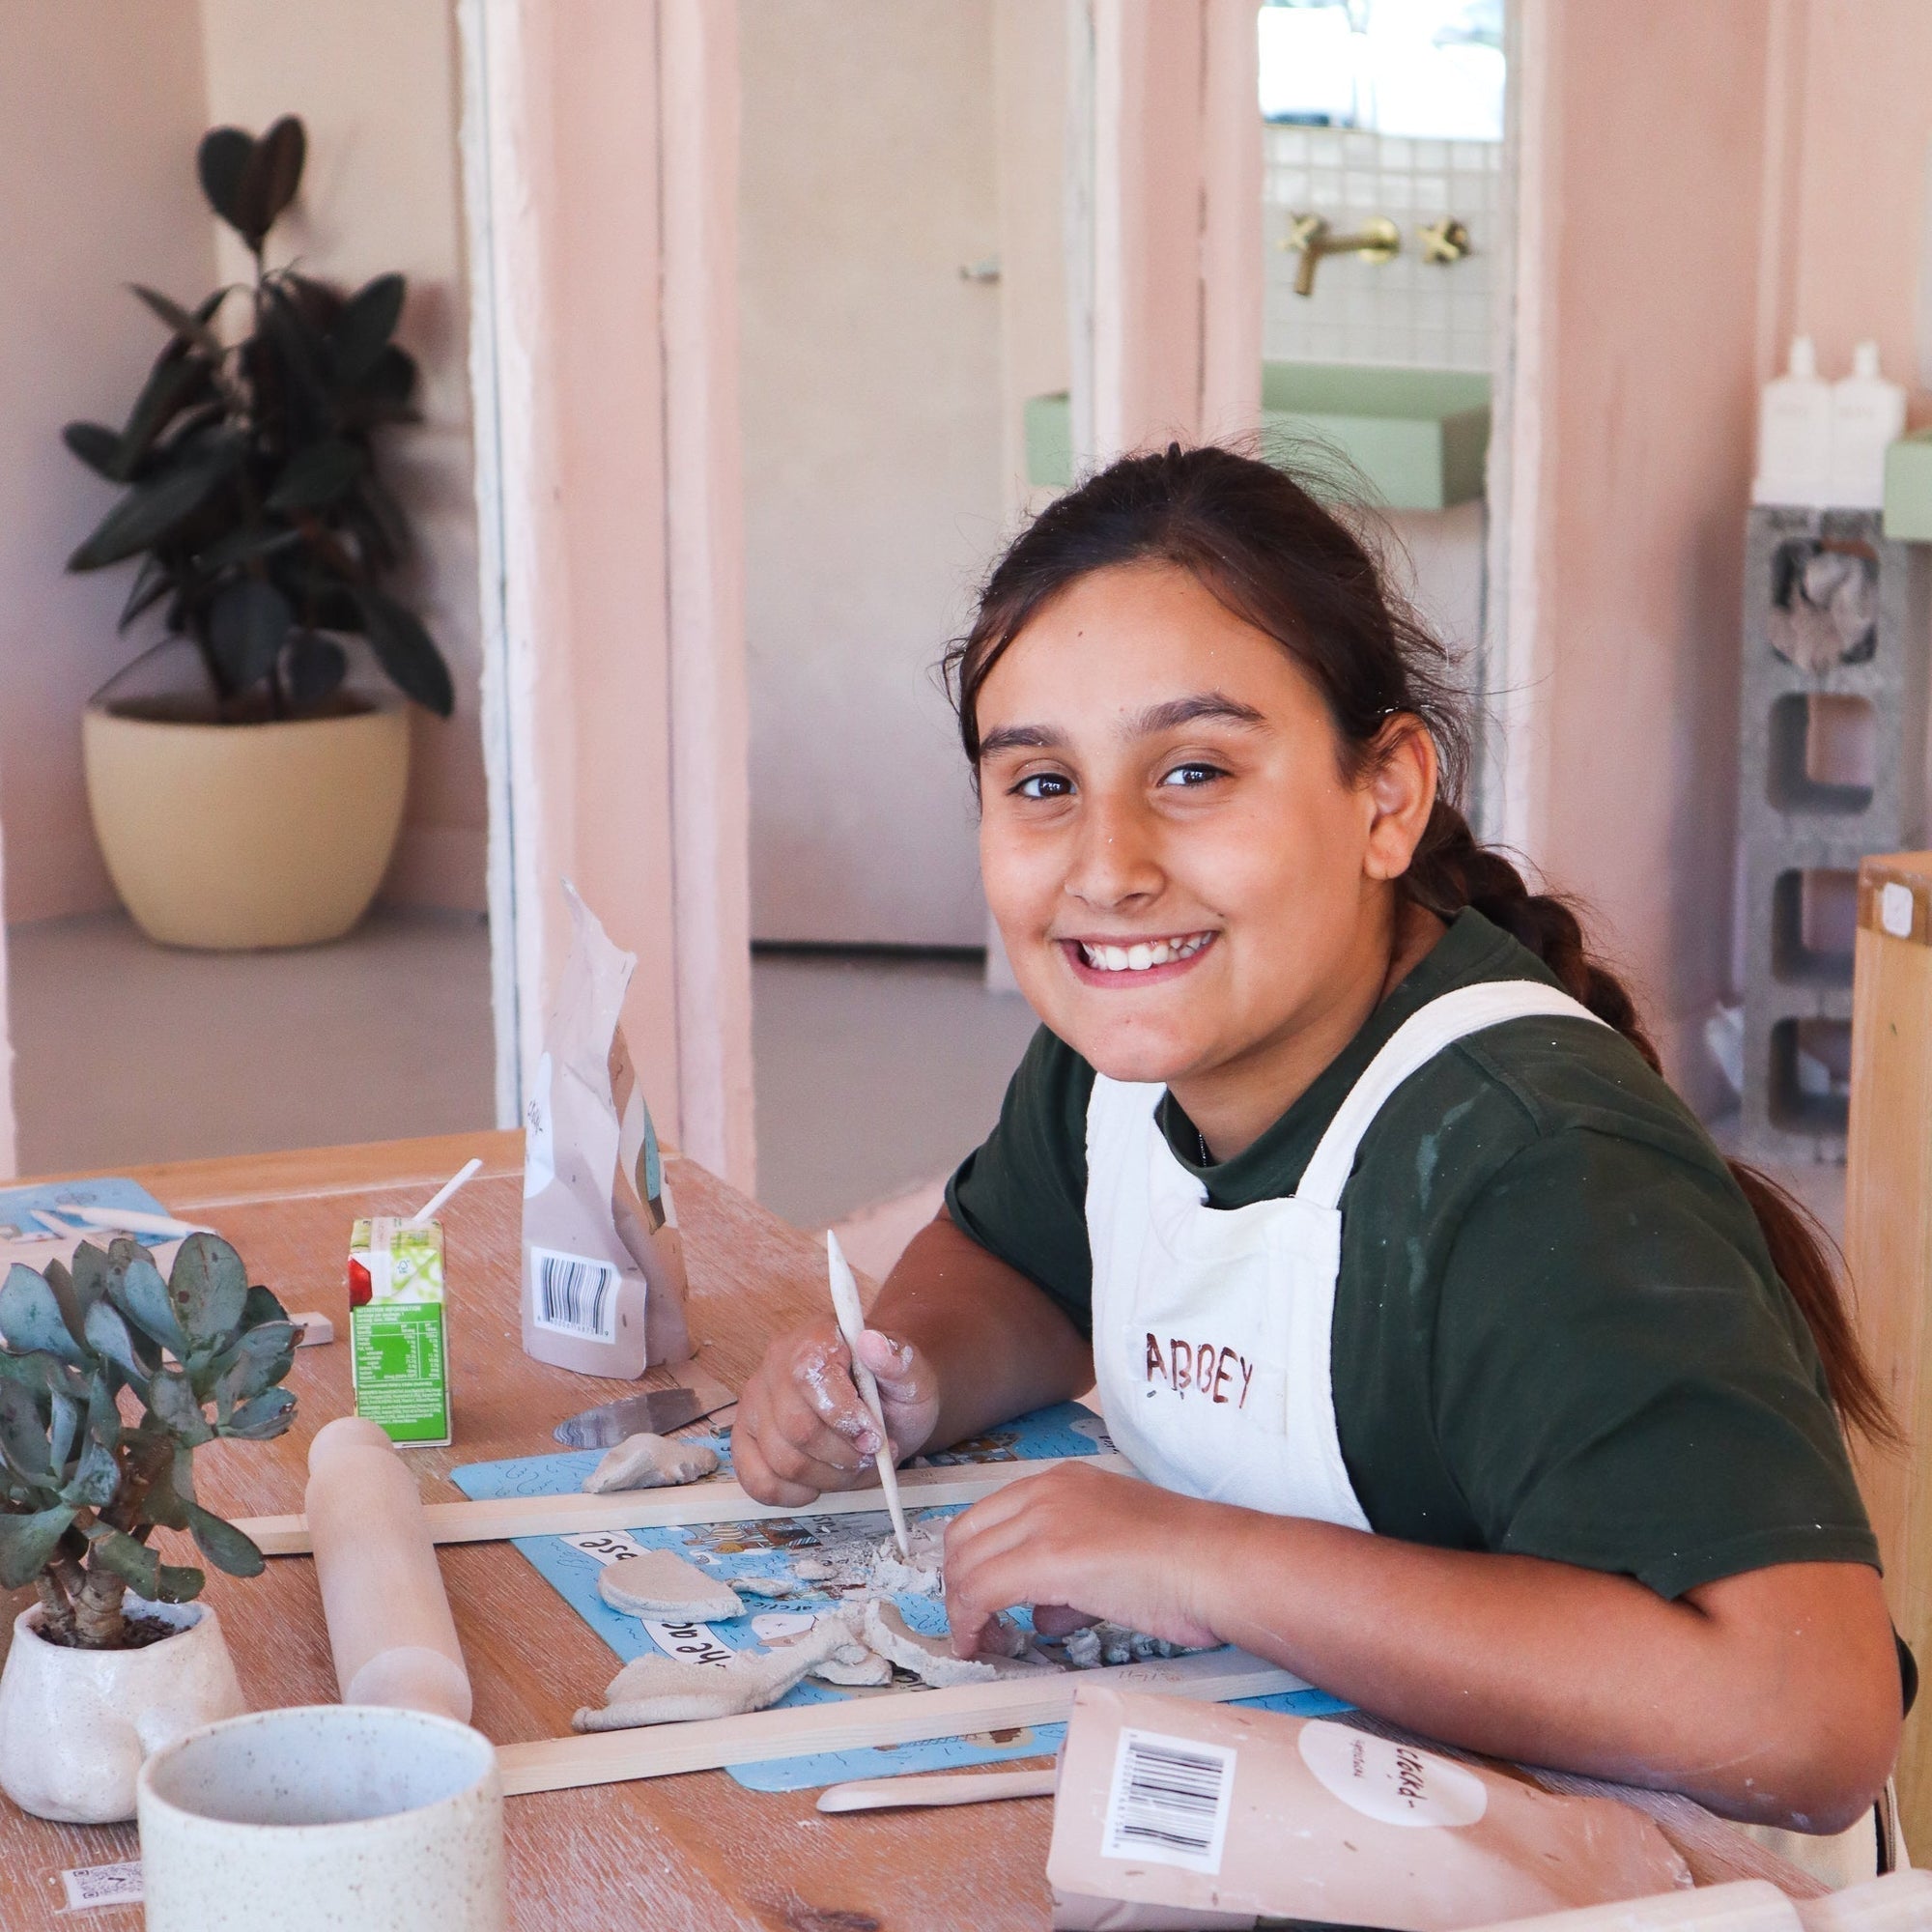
1175 1814
603 1281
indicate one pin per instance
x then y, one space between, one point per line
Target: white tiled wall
1428 315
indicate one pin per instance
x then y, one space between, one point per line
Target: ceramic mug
324 1815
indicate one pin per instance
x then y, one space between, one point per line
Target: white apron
1211 1325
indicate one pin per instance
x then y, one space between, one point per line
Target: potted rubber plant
110 1379
262 807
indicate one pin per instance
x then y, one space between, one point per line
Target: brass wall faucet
1309 237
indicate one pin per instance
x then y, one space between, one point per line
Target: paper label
89 1886
573 1294
1894 909
1169 1802
1393 1783
693 1643
604 1547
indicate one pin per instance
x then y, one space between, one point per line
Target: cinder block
1810 678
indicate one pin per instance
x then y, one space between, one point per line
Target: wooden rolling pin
390 1625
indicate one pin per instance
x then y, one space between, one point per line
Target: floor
127 1051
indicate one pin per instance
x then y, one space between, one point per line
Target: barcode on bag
91 1885
1170 1801
574 1295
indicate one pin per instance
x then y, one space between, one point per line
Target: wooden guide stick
497 1520
1043 1698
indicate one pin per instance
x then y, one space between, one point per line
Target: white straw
427 1212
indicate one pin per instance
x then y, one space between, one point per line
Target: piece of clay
931 1659
659 1689
1003 1637
870 1672
852 1653
660 1583
920 1573
812 1570
1083 1648
651 1463
764 1586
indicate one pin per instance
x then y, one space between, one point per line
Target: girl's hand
801 1427
1103 1544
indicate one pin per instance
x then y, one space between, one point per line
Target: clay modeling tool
389 1627
127 1221
851 1326
430 1207
651 1412
946 1787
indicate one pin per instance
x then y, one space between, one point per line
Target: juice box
397 1352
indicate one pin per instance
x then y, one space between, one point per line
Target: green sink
1418 437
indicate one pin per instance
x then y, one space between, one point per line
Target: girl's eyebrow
1155 718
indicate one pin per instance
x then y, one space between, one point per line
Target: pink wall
1655 113
99 118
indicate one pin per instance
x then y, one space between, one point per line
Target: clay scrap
660 1583
651 1463
869 1670
931 1659
672 1689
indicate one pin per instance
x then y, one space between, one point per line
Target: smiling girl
1469 1380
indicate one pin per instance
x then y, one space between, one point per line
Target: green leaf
247 625
263 1419
31 1318
363 329
407 652
116 1550
98 446
60 1279
173 1402
62 1426
23 1432
270 178
97 1480
220 163
251 540
89 1271
104 1414
258 1361
179 1583
187 327
108 1334
227 1548
175 382
152 583
316 667
26 1542
140 1294
150 510
316 476
262 1306
165 1502
208 1288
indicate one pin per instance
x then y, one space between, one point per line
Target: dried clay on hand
659 1583
672 1689
651 1463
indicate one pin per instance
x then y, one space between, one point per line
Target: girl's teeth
1143 954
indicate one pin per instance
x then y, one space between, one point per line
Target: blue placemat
570 1565
17 1204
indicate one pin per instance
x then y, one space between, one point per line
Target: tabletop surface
698 1850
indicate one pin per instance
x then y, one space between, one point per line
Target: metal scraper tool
651 1412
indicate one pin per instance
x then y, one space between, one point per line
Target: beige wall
376 85
873 453
99 111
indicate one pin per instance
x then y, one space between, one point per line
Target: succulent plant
248 467
82 1486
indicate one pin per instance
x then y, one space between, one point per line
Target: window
1429 69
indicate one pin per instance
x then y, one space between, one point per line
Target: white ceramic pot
225 837
324 1816
77 1724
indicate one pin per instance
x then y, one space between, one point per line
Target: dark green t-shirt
1557 1331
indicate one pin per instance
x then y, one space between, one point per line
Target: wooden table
698 1851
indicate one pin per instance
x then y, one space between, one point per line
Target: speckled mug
324 1816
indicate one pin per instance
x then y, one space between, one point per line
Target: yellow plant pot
226 837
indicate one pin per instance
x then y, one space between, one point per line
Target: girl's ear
1399 789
